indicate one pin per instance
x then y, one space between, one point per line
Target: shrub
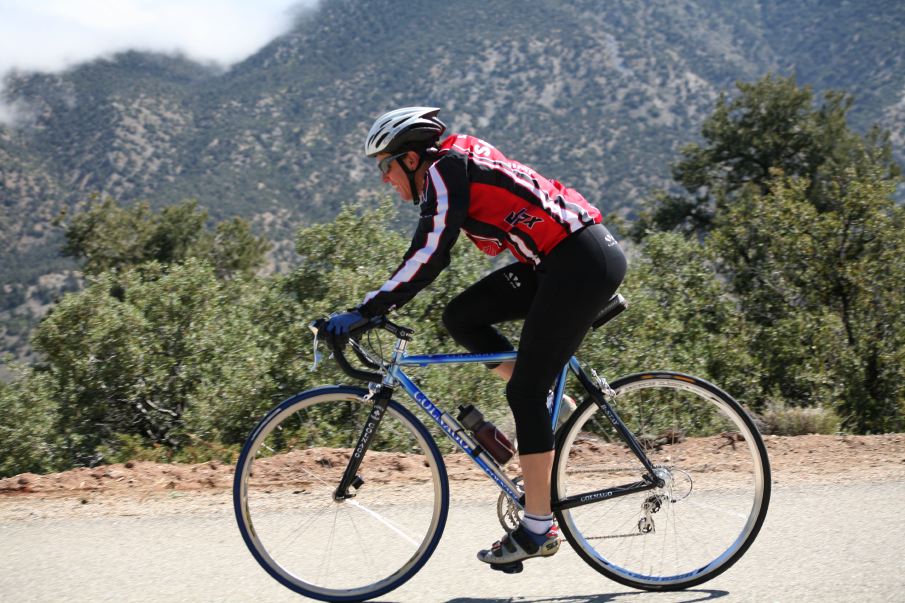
779 419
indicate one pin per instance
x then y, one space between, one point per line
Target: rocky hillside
599 95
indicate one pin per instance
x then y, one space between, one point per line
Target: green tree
178 357
772 124
28 415
796 212
823 288
106 236
173 357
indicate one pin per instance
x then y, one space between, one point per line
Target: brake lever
317 355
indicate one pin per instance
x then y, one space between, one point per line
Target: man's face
395 175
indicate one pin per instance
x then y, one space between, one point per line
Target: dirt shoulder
812 458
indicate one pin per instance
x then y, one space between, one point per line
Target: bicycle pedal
508 568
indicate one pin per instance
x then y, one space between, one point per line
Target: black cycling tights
558 301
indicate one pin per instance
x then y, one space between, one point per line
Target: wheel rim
347 550
715 495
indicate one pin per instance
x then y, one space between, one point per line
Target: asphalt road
820 543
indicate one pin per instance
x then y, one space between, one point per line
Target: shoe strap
524 540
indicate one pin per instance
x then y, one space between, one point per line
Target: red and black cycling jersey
498 203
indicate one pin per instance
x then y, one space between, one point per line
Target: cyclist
568 266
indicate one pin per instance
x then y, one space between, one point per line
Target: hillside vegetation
775 269
600 95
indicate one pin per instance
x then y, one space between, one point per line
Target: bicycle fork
381 397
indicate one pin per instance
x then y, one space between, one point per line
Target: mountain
598 95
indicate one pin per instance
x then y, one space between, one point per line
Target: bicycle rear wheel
354 549
715 469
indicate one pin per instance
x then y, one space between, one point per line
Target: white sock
538 524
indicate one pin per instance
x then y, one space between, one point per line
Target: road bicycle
341 493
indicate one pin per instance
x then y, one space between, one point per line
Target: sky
51 35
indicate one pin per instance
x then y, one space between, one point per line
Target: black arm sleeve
442 214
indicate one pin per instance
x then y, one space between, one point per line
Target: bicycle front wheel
352 549
714 468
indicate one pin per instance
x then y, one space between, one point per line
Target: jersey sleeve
443 212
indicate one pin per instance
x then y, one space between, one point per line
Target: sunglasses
386 163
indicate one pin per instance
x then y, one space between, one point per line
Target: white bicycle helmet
409 128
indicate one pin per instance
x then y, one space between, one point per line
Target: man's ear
411 160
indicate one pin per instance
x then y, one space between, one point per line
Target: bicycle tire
709 511
283 496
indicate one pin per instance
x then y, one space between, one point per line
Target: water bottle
491 439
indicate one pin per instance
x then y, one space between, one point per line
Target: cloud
15 113
53 35
7 114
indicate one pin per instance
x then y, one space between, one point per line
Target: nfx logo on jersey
523 217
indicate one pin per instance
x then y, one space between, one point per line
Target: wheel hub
677 483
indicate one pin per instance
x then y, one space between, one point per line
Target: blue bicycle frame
394 375
457 433
451 426
427 359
